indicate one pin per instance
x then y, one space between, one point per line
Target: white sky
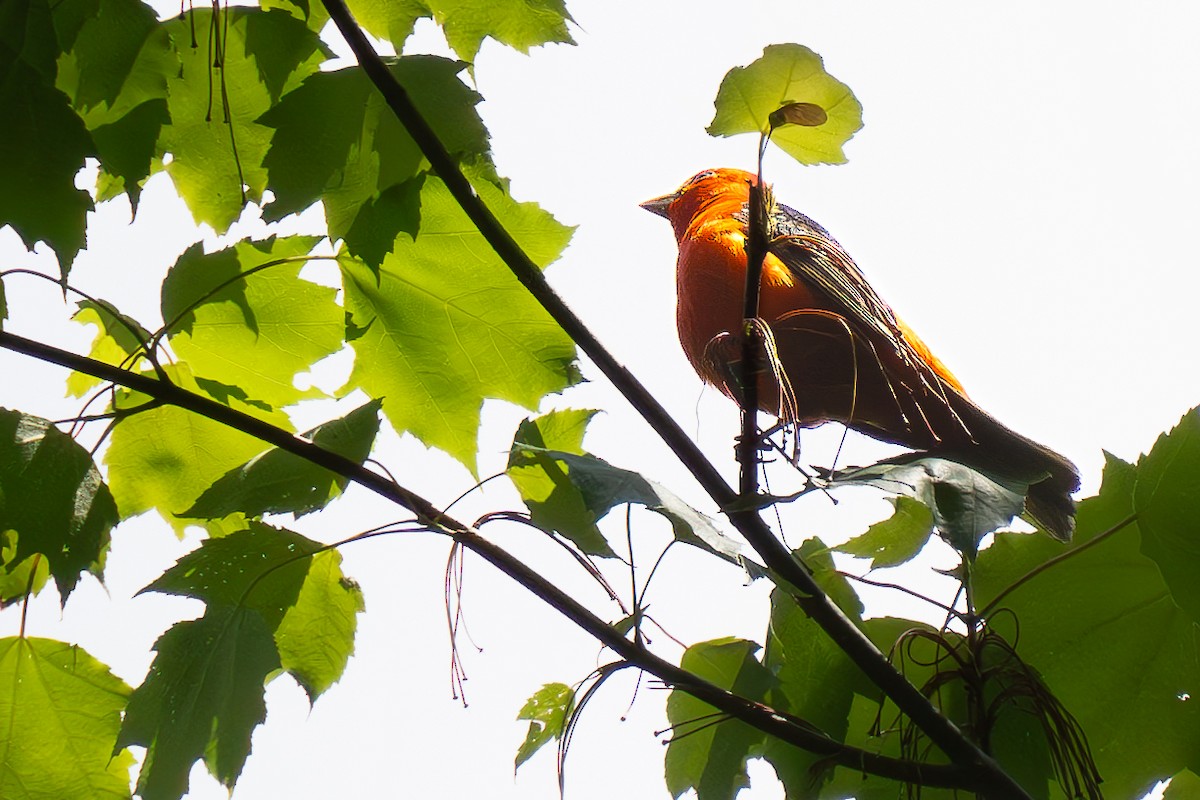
1023 193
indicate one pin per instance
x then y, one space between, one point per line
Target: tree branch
941 731
784 727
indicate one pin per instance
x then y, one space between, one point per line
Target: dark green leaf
897 538
602 487
60 710
127 147
706 753
105 51
444 325
784 75
52 495
1101 628
261 568
202 698
278 482
246 324
44 145
966 504
1167 502
382 219
547 711
316 637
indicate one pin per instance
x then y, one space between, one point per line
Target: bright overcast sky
1023 193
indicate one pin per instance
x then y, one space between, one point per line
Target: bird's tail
995 447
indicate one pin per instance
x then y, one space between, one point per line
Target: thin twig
784 727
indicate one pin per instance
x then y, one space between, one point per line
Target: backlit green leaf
554 502
785 74
520 24
445 325
118 337
60 710
216 143
164 458
547 712
243 323
316 637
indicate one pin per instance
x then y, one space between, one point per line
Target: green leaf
966 503
215 157
117 77
788 73
547 711
555 503
60 710
1184 786
1167 502
316 637
381 219
19 579
602 487
520 24
706 754
262 568
278 482
335 139
164 458
896 539
816 682
878 727
44 145
118 338
127 147
245 318
104 52
53 496
3 306
1100 627
445 325
201 699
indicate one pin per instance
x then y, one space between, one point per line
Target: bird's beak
660 205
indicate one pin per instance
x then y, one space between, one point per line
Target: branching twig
779 725
861 650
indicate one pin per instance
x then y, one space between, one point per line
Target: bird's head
712 191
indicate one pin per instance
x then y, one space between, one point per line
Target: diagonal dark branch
784 727
943 733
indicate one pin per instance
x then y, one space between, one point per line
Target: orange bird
835 350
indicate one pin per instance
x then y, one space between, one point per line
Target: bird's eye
700 176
